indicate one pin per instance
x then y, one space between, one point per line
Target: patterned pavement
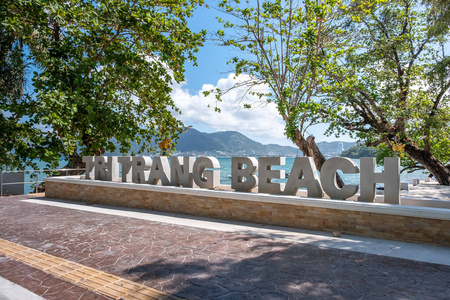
195 263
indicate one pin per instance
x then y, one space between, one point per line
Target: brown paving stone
92 279
203 264
43 284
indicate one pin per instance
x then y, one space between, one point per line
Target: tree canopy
392 82
376 69
439 16
100 70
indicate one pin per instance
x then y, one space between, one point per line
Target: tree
393 84
12 66
103 70
16 137
282 45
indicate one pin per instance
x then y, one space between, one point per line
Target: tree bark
309 148
76 162
431 163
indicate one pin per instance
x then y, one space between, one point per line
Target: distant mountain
233 143
227 143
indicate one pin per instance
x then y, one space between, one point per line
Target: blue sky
262 124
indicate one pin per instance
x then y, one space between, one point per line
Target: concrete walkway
197 258
12 291
430 190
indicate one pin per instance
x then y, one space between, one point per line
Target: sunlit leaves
391 79
104 68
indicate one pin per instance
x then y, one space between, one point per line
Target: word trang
204 172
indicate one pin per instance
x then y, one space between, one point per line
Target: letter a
304 174
160 171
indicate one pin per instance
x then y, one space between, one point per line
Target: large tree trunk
76 162
309 148
426 159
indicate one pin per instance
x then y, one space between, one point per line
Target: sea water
36 177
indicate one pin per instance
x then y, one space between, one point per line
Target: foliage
102 70
408 165
12 65
392 82
439 16
18 139
380 70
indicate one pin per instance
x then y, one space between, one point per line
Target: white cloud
261 123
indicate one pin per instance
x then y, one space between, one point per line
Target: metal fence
18 179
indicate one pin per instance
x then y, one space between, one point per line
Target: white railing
36 181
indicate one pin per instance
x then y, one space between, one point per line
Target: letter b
238 173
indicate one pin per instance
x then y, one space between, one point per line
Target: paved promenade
195 258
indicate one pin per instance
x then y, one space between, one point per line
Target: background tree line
99 70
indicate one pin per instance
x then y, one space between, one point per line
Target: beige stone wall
387 226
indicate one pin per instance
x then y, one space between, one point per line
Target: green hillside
358 151
233 143
227 143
